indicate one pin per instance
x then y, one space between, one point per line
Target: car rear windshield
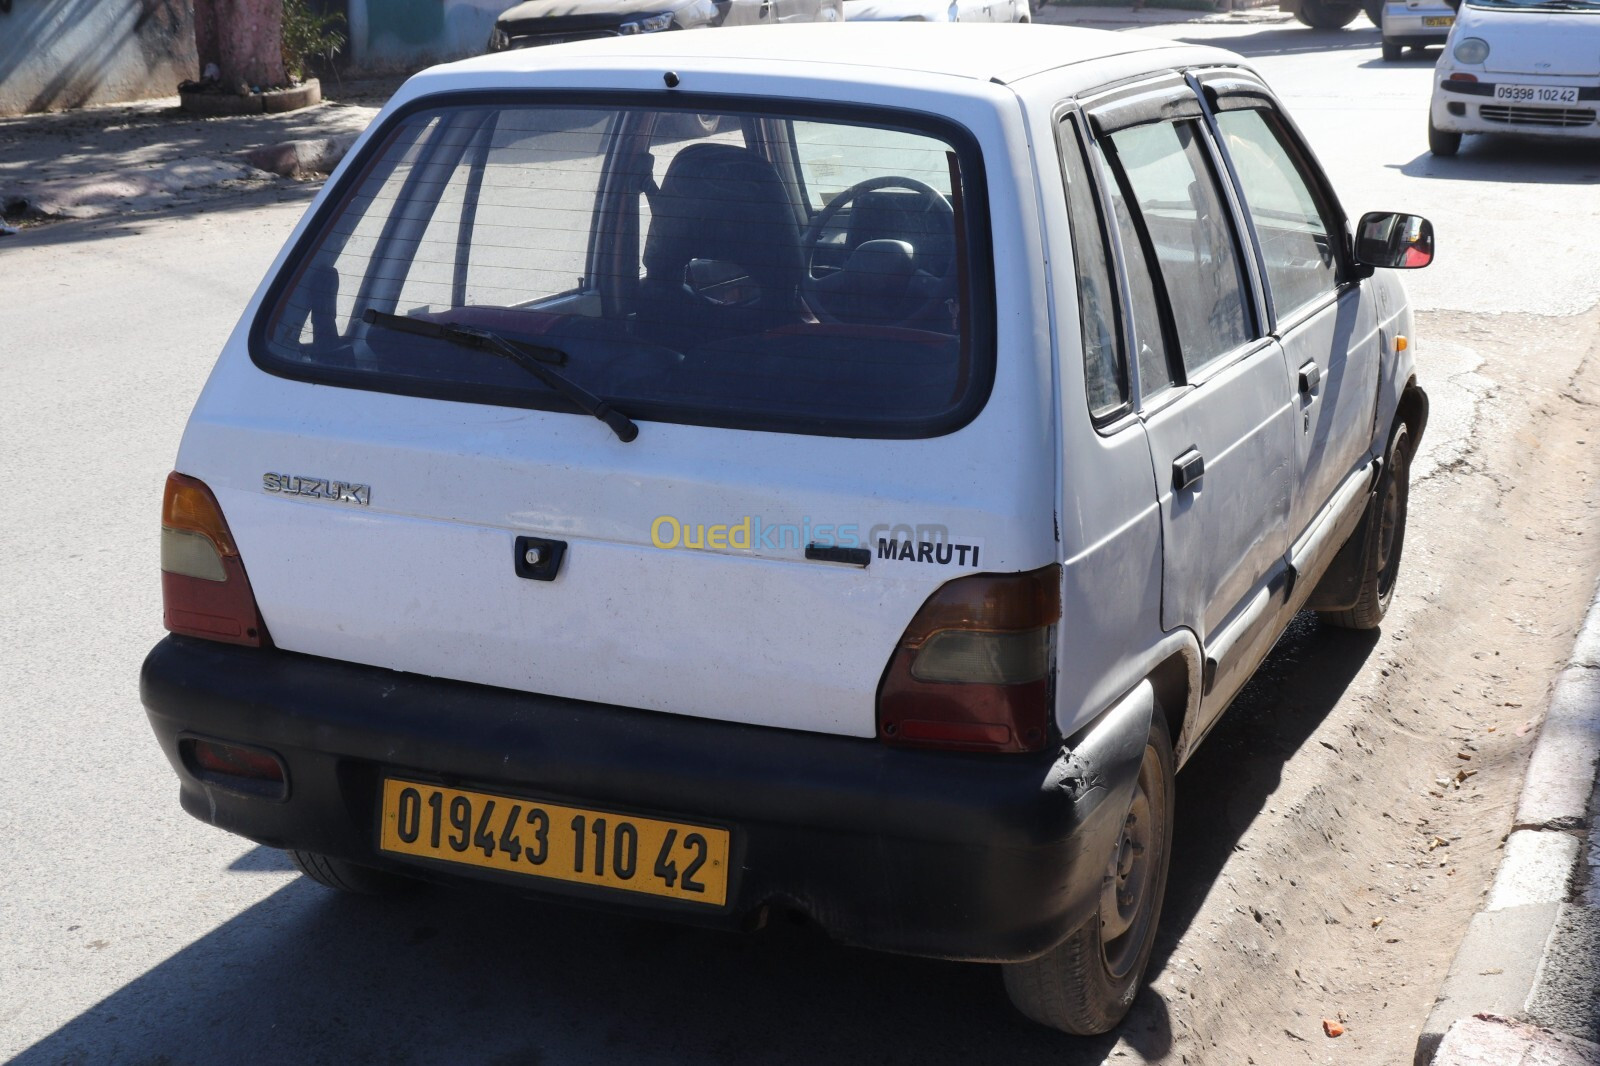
796 271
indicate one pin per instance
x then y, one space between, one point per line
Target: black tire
1086 984
1443 142
342 875
1386 537
1374 10
698 125
1327 14
1392 51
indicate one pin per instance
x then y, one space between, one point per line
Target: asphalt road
134 934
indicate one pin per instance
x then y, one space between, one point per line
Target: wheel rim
1127 896
1390 527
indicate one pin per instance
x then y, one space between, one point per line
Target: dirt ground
1337 888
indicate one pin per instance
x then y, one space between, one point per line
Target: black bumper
981 857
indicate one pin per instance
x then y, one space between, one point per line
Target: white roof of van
984 52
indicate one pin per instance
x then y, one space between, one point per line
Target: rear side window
1186 220
1105 378
793 272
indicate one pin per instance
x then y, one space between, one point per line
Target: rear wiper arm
530 357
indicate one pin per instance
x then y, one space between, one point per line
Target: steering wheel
880 282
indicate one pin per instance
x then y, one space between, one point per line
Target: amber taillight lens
204 590
975 669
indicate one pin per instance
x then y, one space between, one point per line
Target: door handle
1188 469
1310 378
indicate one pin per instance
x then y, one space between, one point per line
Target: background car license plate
1438 20
525 836
1537 94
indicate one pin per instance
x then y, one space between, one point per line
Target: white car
861 511
1414 24
938 10
1514 67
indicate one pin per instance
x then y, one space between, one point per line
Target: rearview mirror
1390 239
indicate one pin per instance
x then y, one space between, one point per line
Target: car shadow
1225 785
1295 40
463 975
307 976
1411 57
1510 161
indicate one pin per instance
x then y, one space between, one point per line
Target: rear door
796 490
1210 382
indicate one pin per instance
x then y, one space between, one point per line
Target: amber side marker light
975 669
204 590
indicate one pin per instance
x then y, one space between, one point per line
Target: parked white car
938 10
1414 24
861 511
1513 67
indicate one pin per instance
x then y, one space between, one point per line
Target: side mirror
1390 239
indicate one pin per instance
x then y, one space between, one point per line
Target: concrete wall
406 34
67 53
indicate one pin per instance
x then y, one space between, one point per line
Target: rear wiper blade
530 357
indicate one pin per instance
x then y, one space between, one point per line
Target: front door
1322 316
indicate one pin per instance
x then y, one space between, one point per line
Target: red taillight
234 761
975 669
204 590
1462 76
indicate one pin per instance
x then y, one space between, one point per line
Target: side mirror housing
1394 240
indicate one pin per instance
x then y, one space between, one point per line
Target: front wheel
1386 536
1327 14
1374 10
1085 984
1443 142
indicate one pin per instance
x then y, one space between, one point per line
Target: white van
862 511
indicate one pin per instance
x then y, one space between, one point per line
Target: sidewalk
149 155
1524 989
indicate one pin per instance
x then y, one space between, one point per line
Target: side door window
1105 371
1299 249
1151 320
1189 233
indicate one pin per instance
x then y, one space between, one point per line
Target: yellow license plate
1438 20
524 836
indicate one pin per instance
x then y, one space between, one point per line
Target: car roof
999 53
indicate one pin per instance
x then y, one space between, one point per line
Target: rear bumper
1404 25
980 857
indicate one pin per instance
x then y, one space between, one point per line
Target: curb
1529 955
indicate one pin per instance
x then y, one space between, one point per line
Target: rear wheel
1374 10
1085 985
341 875
1443 142
1327 14
1386 536
1392 51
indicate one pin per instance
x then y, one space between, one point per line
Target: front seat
723 220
